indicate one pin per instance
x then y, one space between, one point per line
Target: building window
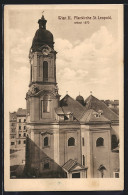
71 141
116 174
46 165
19 127
75 175
13 130
19 142
19 135
83 141
100 142
45 104
19 120
24 127
45 71
24 141
24 120
24 134
12 143
102 170
46 141
114 142
83 160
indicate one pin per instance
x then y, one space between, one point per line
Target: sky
87 58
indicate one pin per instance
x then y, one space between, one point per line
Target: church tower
42 100
42 97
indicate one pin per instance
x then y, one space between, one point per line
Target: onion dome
42 36
80 99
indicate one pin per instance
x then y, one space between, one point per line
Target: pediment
46 133
78 167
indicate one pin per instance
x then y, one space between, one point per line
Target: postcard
63 97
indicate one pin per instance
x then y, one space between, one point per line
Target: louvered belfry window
45 71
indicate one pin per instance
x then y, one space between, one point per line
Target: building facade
18 131
66 138
12 126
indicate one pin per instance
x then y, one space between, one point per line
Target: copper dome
42 36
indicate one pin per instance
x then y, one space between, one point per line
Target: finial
42 22
90 92
66 92
79 93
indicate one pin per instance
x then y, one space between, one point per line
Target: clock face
45 51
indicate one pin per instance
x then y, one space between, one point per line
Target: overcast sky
87 58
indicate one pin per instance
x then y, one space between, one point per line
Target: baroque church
67 138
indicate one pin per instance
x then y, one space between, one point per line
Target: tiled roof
90 116
71 164
59 111
93 103
12 115
73 106
21 112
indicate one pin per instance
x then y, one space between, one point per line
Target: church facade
67 138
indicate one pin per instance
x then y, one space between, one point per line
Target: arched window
45 71
102 169
100 142
71 141
46 141
114 142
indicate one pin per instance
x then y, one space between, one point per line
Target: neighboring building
18 130
21 128
67 137
113 105
12 124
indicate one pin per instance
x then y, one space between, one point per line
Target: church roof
93 103
73 106
90 116
79 98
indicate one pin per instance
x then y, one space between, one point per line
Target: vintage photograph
64 95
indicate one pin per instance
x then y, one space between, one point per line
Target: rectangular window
116 174
24 134
45 71
19 127
13 130
24 127
19 135
46 165
83 141
45 106
83 160
12 143
19 120
24 120
75 175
